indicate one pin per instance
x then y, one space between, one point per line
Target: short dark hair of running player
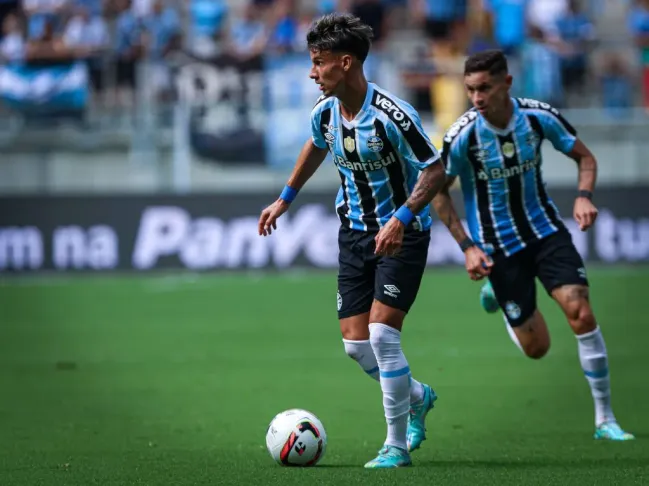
487 82
339 44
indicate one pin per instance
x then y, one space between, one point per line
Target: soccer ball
296 438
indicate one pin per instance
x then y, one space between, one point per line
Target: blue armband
404 215
288 194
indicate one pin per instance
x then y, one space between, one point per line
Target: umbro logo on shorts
391 290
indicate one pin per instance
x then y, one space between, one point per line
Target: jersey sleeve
453 158
316 132
411 140
557 130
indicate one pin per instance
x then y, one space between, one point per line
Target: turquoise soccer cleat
417 419
612 431
488 298
390 457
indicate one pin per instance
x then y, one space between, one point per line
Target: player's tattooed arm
587 166
443 205
584 212
430 182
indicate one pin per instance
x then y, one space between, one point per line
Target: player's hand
390 238
585 213
269 216
478 264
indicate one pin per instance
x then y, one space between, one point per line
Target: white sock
512 334
594 362
395 381
363 354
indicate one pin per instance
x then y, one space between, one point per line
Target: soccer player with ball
389 172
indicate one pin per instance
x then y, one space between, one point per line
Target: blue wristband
404 215
288 194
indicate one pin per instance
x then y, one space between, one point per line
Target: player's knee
582 319
537 349
355 351
376 339
383 337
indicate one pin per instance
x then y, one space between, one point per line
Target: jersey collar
366 105
510 126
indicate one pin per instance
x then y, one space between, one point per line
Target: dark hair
340 32
492 61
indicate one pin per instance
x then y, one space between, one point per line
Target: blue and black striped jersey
506 201
379 156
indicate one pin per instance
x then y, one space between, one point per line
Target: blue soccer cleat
488 298
417 419
612 431
390 457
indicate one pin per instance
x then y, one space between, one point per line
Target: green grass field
173 381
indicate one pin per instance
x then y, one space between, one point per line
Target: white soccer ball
296 438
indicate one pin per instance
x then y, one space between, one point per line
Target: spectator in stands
94 7
87 33
305 19
544 15
506 21
638 21
42 14
7 8
326 6
541 78
162 30
248 34
49 45
129 48
142 8
12 45
616 84
373 13
283 25
86 29
162 35
442 20
207 25
575 35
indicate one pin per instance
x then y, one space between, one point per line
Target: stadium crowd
553 39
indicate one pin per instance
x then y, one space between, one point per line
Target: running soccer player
495 149
389 173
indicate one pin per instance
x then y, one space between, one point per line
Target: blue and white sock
394 375
363 354
594 362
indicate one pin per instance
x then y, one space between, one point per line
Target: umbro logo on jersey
532 139
480 154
